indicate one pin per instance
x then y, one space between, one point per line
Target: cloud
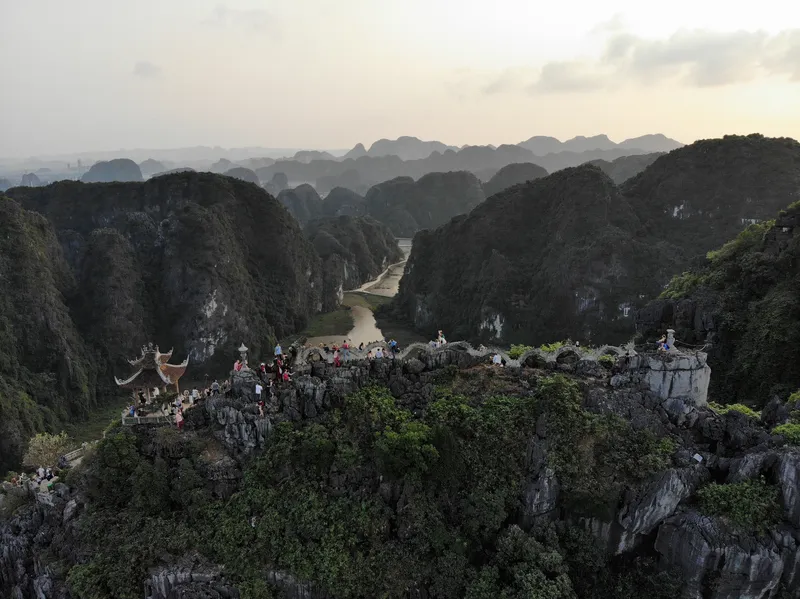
254 20
697 58
572 76
146 69
613 25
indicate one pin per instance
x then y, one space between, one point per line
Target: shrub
789 431
44 449
794 397
549 348
516 351
751 505
607 360
736 407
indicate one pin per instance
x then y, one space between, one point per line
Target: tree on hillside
44 449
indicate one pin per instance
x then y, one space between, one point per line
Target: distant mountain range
645 144
359 168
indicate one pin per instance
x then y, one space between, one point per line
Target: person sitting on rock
497 360
237 366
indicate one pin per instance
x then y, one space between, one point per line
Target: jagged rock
705 550
188 578
789 478
645 508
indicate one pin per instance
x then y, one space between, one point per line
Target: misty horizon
80 79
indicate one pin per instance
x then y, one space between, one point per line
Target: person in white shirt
259 389
497 360
378 353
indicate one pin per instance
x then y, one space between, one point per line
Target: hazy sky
104 74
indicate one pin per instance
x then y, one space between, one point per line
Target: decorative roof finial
243 352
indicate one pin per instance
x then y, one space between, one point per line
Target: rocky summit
119 169
511 175
407 206
193 261
702 195
569 474
554 258
573 255
743 304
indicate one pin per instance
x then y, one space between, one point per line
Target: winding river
365 329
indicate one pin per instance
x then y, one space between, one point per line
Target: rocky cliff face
592 453
119 169
183 260
554 258
354 250
46 375
407 206
742 303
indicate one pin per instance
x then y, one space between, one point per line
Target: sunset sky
106 74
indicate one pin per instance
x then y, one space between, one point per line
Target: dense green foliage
45 373
555 258
790 431
751 288
699 196
183 260
517 350
751 505
372 501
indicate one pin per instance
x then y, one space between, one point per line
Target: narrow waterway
365 328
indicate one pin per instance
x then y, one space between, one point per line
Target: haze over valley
430 300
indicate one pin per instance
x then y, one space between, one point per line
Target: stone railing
531 357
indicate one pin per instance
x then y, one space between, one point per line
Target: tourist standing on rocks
179 419
278 351
345 350
259 388
215 388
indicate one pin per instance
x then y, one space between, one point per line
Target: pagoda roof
145 378
174 371
163 358
153 370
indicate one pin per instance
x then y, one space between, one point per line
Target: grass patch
736 407
338 323
365 300
92 428
751 505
